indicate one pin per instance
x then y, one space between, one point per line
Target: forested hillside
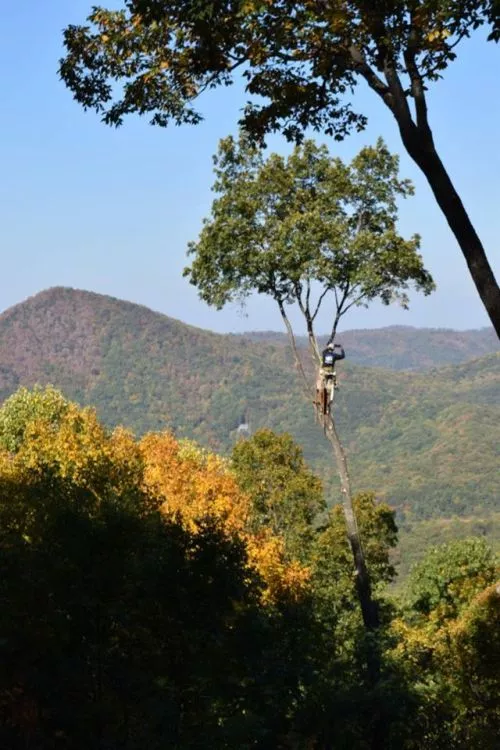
155 595
425 441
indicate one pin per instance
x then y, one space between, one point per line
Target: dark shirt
330 356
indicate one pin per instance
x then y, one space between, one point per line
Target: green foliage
448 644
378 534
416 537
449 576
428 441
300 59
26 407
279 225
120 626
286 496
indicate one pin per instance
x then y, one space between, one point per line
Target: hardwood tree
448 642
285 494
300 60
126 621
308 231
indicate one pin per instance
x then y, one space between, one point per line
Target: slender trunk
368 606
420 146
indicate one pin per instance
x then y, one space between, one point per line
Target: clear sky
111 211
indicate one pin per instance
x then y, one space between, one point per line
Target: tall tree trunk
420 146
369 608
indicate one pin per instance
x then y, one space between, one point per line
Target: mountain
427 440
401 347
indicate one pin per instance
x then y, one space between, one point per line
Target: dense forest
425 440
154 594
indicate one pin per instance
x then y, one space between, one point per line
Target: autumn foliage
152 597
64 441
192 484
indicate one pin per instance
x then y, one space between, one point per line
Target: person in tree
327 378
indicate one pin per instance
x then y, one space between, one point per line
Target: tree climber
327 377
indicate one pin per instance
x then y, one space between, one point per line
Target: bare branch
339 309
293 343
320 300
308 294
364 69
311 336
215 77
416 81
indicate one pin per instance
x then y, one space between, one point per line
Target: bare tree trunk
419 142
369 608
420 147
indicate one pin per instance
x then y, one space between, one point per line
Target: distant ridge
401 347
397 347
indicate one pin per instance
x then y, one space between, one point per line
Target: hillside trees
312 231
285 494
137 608
136 613
300 61
448 641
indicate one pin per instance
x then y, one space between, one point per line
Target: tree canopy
303 57
304 227
301 62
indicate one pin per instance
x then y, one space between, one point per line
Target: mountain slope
427 441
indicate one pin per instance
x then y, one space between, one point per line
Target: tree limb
417 84
320 300
311 336
293 343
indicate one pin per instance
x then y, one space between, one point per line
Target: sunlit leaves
193 484
301 59
447 639
25 407
285 495
278 225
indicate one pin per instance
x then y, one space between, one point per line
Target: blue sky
112 211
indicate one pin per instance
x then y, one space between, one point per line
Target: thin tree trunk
420 146
368 606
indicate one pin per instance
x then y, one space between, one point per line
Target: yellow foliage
454 642
178 476
194 483
285 580
79 450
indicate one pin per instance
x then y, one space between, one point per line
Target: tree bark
369 608
420 146
419 142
